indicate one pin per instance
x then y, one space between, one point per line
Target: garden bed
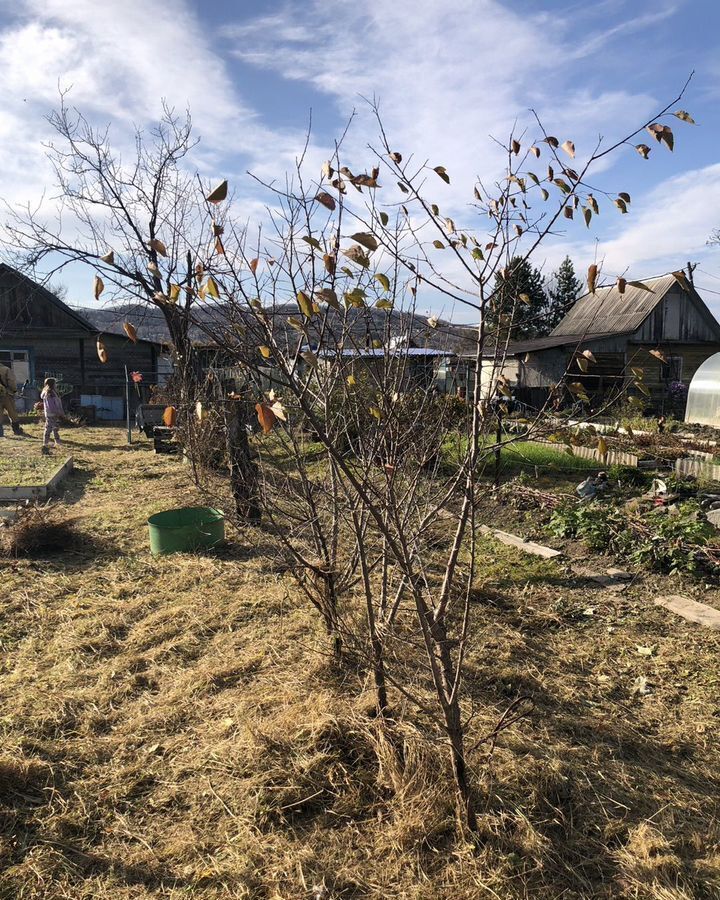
25 474
21 463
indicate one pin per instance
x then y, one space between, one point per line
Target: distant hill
212 320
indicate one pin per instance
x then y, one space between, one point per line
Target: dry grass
172 728
43 529
21 462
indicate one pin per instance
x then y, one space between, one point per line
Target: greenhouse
703 401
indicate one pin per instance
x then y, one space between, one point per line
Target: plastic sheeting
703 400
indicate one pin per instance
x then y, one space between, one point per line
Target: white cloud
447 78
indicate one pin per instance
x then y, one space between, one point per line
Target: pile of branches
524 497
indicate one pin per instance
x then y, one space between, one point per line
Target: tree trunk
454 727
243 468
453 724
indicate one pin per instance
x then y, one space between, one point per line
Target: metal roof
393 351
607 311
548 342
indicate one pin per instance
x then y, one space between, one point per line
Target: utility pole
690 269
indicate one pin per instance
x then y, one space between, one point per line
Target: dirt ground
173 727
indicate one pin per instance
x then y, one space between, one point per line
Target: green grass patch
521 456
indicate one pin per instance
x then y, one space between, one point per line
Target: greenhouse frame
703 400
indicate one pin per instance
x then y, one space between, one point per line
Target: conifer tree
520 294
566 288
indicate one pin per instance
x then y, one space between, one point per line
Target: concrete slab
691 610
512 540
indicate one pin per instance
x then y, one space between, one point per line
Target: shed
40 336
664 314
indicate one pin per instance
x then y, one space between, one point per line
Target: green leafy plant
667 545
661 540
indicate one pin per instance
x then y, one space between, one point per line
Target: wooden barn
41 336
620 330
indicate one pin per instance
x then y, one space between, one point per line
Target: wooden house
41 336
620 330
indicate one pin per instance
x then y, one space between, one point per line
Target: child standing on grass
53 409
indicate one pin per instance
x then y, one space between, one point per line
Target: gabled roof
84 323
607 311
47 295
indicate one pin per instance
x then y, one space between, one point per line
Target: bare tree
369 479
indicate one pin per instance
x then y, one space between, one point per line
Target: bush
597 524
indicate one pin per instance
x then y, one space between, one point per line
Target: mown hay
174 727
42 530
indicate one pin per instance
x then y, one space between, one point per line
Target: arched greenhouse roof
703 401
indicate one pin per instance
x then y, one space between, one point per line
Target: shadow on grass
592 763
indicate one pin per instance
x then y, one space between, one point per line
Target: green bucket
185 530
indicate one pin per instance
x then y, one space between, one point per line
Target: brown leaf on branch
101 350
266 417
569 148
357 255
305 304
326 200
681 279
685 117
219 193
366 239
328 295
592 277
130 331
662 133
157 245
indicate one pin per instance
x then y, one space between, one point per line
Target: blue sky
447 76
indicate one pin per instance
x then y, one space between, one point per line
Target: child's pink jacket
52 405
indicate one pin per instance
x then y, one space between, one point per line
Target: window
671 370
18 361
